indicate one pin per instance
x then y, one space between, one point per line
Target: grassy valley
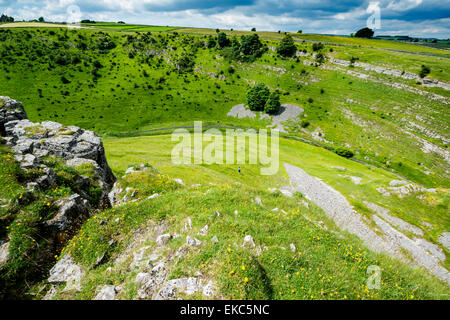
132 83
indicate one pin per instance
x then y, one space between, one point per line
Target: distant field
206 31
33 25
371 43
128 27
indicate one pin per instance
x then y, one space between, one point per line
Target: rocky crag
50 156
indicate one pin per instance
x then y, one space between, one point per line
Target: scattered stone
292 246
179 181
203 231
68 272
444 239
395 183
4 252
108 292
50 295
163 239
72 211
193 242
248 242
259 201
214 240
153 196
188 286
187 225
355 180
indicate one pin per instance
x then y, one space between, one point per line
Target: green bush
257 97
344 152
287 47
222 40
364 33
424 71
273 103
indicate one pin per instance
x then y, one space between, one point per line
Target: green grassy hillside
113 82
121 80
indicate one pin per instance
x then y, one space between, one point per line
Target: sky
418 18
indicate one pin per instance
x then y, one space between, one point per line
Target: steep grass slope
120 82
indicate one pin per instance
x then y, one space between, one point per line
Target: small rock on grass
248 241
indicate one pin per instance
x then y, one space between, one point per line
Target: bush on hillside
251 48
364 33
287 47
257 97
344 152
222 40
273 103
317 46
424 71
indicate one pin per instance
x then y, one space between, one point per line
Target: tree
185 63
287 47
5 18
222 40
254 29
211 42
257 97
364 33
41 19
300 31
273 103
317 46
424 71
251 47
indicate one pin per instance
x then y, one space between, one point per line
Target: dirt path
387 239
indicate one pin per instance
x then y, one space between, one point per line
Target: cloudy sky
422 18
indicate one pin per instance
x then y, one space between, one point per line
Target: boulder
4 253
107 292
10 110
33 141
68 272
72 211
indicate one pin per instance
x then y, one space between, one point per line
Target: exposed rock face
71 211
108 292
68 272
10 110
4 253
34 141
33 144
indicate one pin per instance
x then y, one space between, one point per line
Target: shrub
257 97
344 152
273 103
64 80
211 42
424 71
320 57
304 123
251 47
364 33
317 46
222 40
287 47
